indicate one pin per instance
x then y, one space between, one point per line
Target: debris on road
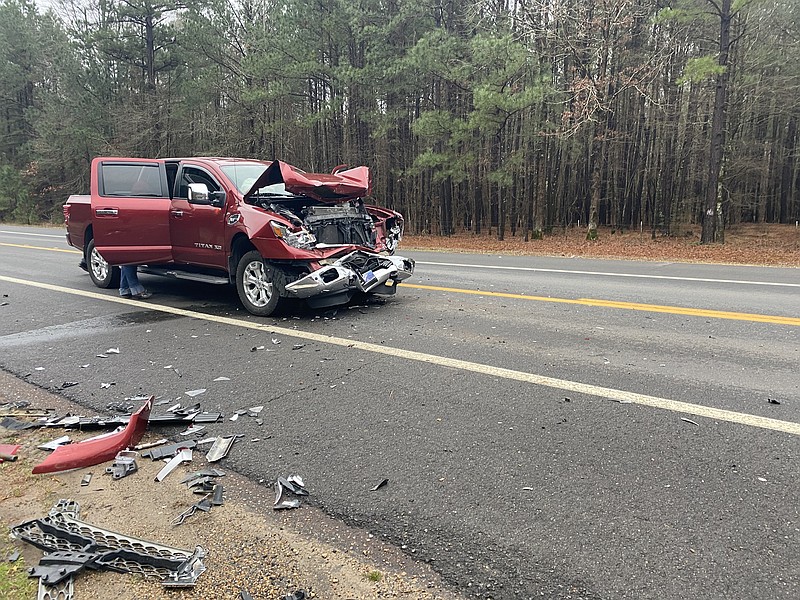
52 445
99 449
124 464
185 455
9 452
379 485
293 484
690 421
72 545
86 480
193 393
203 505
220 448
168 451
773 401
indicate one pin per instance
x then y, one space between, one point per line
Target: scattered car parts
220 448
124 464
78 541
100 449
184 455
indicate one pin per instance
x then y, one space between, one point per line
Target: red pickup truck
270 228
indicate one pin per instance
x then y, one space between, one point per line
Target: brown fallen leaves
772 245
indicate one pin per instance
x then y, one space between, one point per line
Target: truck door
130 211
197 231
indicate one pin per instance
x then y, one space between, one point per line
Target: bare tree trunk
713 202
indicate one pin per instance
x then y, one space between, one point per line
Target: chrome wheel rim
256 287
98 265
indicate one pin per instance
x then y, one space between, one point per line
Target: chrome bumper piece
358 271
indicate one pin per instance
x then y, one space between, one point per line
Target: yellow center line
29 247
675 310
620 396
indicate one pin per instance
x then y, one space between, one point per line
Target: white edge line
605 274
621 396
63 236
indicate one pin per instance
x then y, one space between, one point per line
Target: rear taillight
66 213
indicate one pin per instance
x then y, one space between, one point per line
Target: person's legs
124 280
132 279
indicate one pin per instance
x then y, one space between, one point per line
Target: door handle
176 213
106 212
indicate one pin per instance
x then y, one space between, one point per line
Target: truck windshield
244 175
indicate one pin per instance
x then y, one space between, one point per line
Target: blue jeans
129 281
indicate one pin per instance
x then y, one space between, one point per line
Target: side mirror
199 194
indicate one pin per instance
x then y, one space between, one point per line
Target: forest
506 117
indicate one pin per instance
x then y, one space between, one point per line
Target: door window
195 175
131 180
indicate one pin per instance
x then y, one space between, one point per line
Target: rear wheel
103 275
254 282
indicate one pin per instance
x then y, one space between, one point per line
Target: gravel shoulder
249 545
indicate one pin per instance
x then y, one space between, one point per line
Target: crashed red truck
269 228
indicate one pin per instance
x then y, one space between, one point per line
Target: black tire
254 283
102 274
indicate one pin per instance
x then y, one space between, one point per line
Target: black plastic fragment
167 451
379 485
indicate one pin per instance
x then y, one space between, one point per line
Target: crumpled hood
344 185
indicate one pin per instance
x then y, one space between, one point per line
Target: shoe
143 296
125 295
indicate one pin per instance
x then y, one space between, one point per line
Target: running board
213 279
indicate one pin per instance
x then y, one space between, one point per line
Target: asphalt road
550 427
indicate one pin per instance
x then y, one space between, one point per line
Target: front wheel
103 275
254 282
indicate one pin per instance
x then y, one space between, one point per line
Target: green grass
374 576
14 581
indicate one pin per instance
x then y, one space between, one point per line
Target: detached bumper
357 272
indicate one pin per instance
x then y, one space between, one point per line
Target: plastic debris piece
203 473
16 424
297 595
245 595
207 440
193 393
67 507
52 445
102 355
9 452
222 379
173 408
296 480
220 449
184 455
690 421
112 351
379 485
105 386
773 401
203 505
124 464
207 417
86 480
255 409
234 417
193 429
216 495
13 556
298 346
168 451
67 384
151 444
287 504
38 369
276 341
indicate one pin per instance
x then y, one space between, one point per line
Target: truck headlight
302 238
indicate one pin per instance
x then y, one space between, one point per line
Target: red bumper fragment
100 449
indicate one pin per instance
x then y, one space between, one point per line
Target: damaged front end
337 280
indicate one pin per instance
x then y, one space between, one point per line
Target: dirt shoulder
249 546
769 245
